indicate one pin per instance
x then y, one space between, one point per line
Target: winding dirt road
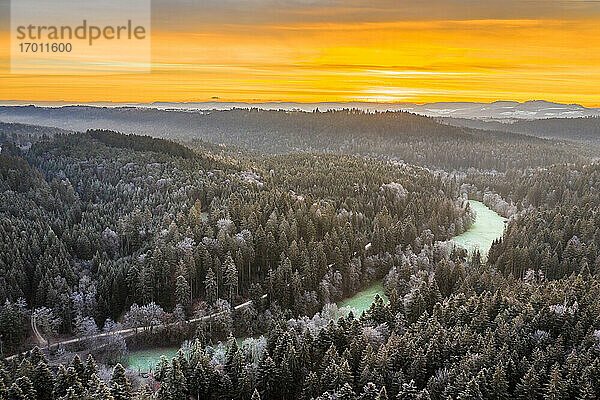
123 332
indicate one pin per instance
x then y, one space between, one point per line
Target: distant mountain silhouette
496 111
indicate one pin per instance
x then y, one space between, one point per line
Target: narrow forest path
40 339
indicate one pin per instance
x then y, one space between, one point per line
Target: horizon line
274 102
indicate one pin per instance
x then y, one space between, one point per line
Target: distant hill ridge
400 136
497 110
586 129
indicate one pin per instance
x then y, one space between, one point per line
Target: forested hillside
558 233
399 136
101 231
89 229
584 129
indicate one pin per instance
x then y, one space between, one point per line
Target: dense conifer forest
399 136
585 129
194 243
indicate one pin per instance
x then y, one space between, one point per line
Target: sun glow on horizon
305 55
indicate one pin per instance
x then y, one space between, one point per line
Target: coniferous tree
183 291
163 369
79 368
15 393
62 383
408 391
176 383
120 389
586 392
89 370
24 383
345 393
43 381
312 386
233 364
382 394
98 389
555 389
369 392
210 286
529 387
201 381
499 384
231 278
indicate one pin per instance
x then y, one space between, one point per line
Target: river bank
487 227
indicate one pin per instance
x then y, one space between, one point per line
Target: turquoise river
487 227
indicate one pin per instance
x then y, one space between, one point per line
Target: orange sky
310 51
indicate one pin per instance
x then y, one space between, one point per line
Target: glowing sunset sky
328 50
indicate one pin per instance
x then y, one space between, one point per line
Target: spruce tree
24 383
90 369
345 393
200 382
184 364
43 381
98 390
408 391
233 361
164 392
586 391
312 386
231 278
182 292
211 287
344 374
36 356
3 388
244 390
120 388
369 392
72 395
529 387
382 394
62 383
15 393
555 389
176 381
79 368
472 391
499 384
162 369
